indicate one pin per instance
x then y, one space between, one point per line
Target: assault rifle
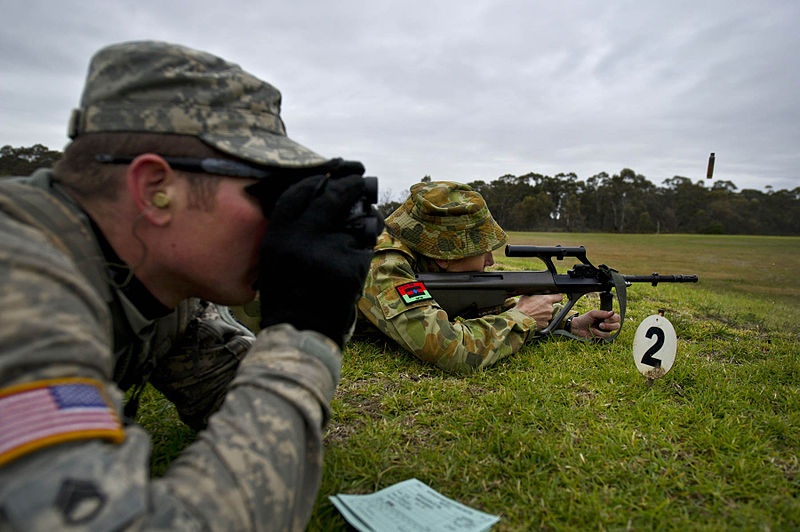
471 294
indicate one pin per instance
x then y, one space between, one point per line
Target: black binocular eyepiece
363 220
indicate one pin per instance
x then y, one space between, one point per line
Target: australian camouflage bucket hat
446 220
158 87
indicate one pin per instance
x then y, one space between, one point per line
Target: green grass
569 436
167 433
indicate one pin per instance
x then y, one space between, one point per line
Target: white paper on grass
410 506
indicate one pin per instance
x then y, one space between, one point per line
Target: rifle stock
471 294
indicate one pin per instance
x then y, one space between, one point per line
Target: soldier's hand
595 324
312 269
539 307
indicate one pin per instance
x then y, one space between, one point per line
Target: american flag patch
44 413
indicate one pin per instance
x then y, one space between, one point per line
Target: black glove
312 265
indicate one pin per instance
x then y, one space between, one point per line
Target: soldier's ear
442 263
149 176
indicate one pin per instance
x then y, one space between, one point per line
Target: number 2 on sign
654 346
648 358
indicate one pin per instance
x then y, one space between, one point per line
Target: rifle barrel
655 278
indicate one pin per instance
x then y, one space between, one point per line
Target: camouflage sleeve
425 330
259 463
257 466
196 373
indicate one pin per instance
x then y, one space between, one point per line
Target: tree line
629 203
622 203
24 160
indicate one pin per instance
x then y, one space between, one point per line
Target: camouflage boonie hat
446 220
157 87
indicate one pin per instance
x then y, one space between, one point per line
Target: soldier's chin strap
606 303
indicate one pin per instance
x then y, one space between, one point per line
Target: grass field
569 436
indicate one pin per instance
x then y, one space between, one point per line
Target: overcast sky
462 89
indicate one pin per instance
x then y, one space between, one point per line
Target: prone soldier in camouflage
114 267
446 226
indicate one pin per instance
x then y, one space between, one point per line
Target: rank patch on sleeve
44 413
413 292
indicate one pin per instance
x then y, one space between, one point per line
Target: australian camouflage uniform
439 220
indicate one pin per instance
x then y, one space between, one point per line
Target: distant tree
533 213
726 186
592 207
388 208
627 196
645 224
503 196
688 200
24 160
571 215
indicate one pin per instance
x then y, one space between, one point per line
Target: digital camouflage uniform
68 325
439 220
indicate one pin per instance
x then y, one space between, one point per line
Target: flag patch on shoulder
413 292
43 413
